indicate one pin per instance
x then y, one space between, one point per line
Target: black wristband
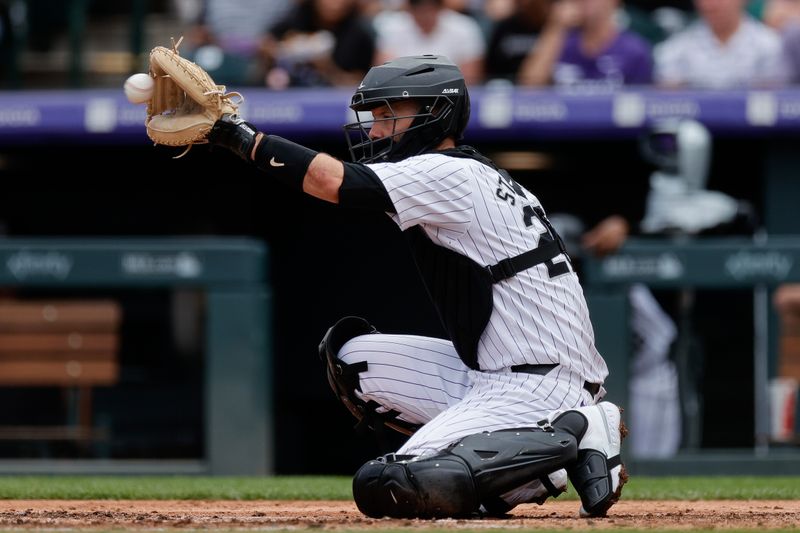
235 134
285 160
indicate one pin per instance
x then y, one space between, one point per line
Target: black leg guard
453 483
504 460
428 488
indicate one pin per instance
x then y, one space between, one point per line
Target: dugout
576 151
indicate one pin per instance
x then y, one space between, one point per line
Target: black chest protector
460 288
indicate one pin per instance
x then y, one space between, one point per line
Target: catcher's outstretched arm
301 168
324 177
317 174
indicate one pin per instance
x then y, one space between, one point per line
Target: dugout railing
685 265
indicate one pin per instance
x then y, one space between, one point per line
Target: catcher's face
392 121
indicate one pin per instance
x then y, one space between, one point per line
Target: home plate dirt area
274 514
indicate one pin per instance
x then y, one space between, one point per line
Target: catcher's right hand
233 133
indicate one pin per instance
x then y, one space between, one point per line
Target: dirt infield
114 514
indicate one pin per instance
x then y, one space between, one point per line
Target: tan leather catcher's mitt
186 102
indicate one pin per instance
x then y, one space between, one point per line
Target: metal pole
238 412
687 375
140 9
761 368
77 29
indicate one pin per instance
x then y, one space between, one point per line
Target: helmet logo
361 85
450 91
405 94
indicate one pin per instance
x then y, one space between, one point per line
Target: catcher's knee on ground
473 472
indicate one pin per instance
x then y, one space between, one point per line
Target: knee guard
343 377
437 487
457 481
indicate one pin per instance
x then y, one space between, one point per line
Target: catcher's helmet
434 81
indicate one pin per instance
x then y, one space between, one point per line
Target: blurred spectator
227 37
464 6
655 21
371 8
583 43
6 42
725 48
320 43
514 36
486 12
427 27
784 16
497 9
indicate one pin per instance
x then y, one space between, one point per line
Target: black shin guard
455 482
504 460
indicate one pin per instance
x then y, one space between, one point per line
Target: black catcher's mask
435 82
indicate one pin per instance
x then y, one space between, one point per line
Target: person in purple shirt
582 44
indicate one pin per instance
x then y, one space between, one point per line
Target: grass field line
339 488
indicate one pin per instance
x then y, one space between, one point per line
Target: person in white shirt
427 27
724 49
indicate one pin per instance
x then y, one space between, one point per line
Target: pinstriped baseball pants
424 380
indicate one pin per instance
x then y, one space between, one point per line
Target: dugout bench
70 344
683 263
231 273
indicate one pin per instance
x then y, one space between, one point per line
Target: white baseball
139 88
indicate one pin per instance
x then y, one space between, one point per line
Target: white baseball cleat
598 473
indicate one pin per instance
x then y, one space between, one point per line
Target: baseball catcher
507 408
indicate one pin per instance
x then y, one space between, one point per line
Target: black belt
543 370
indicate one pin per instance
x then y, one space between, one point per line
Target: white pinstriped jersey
467 206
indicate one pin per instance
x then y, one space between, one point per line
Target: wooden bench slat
57 358
62 342
57 315
76 433
33 373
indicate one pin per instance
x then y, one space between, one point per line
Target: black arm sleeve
362 188
285 160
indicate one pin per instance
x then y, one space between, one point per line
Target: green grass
713 488
338 488
174 488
